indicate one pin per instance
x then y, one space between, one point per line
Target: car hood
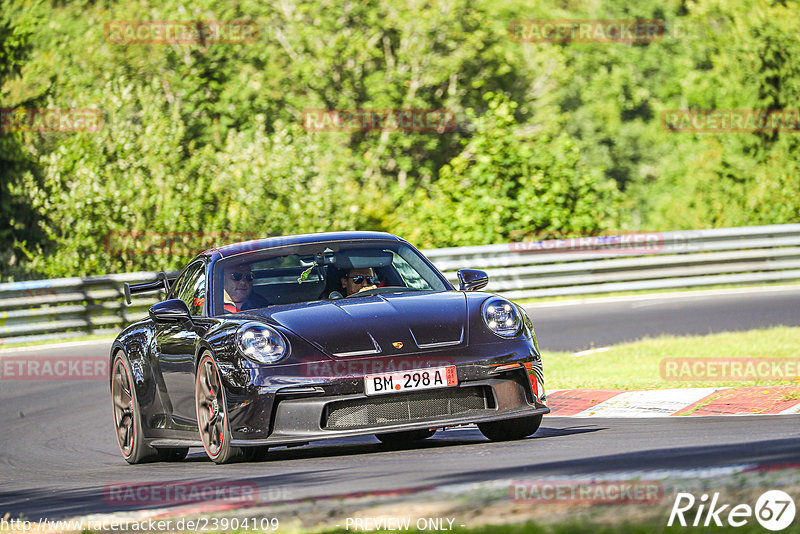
386 324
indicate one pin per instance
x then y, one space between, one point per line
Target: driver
357 280
238 289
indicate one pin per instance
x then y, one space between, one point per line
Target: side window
191 288
409 275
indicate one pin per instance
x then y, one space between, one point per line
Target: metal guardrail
69 307
682 259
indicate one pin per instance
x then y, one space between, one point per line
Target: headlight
502 317
261 343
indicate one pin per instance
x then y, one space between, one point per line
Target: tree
18 222
510 182
731 178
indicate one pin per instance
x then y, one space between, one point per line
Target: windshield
321 271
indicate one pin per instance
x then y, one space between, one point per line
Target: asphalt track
58 454
579 325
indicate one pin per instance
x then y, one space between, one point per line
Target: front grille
407 407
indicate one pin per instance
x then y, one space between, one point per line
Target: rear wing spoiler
162 281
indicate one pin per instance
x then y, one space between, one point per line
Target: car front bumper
301 414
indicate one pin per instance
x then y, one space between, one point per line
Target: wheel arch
133 343
203 347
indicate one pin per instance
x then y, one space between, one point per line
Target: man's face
239 289
350 286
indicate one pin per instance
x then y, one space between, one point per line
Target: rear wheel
127 421
212 419
396 438
510 429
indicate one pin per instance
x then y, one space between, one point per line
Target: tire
126 412
212 421
172 454
406 436
511 429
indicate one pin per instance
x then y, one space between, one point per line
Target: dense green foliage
509 182
552 139
18 222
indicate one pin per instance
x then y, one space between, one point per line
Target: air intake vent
408 407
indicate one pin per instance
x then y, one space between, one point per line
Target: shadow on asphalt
61 503
545 432
55 504
772 452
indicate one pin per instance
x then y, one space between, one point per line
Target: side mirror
472 279
170 311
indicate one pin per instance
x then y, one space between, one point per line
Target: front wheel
212 417
127 420
510 429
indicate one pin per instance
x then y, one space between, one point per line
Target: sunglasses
236 276
360 279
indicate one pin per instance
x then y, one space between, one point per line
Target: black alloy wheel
212 413
126 414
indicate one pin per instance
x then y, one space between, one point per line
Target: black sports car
285 340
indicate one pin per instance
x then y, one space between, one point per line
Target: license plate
413 380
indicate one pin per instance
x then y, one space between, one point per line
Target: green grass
655 292
636 365
792 396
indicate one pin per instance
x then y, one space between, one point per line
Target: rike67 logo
774 510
